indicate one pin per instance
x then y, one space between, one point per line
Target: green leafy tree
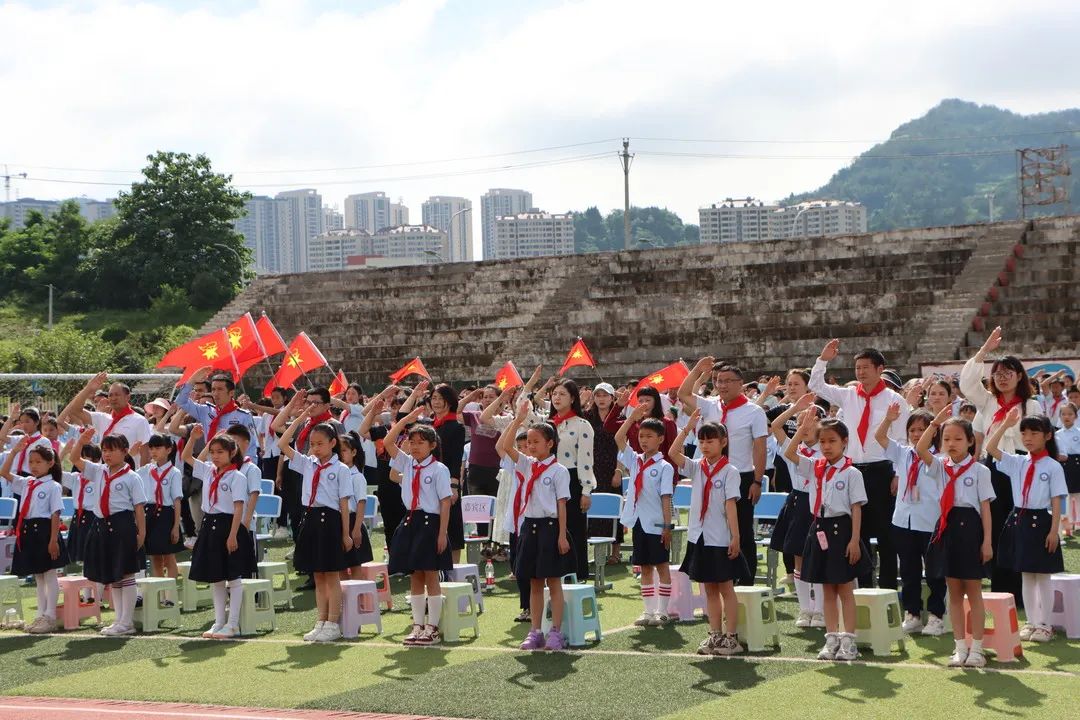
64 350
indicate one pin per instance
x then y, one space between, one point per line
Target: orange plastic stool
379 572
1002 635
76 607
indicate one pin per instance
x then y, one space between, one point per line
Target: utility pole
625 157
50 306
7 182
990 199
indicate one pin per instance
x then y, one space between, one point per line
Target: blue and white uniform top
253 476
72 483
45 500
20 464
798 482
971 488
657 481
232 488
1051 407
335 483
838 493
1047 482
434 482
552 485
352 417
171 483
1068 440
359 488
125 491
205 414
917 508
723 486
267 437
510 468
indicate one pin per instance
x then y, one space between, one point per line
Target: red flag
268 343
301 357
508 377
413 367
212 350
340 384
243 338
578 355
665 379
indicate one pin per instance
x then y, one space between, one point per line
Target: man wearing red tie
863 407
121 418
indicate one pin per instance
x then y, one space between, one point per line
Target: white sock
818 600
976 645
1044 599
434 609
419 604
219 603
129 593
961 645
648 598
236 597
802 591
117 596
664 598
52 593
1031 601
99 590
42 603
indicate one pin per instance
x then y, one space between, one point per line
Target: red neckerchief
417 467
106 488
25 509
218 474
556 420
727 407
805 451
159 474
912 473
1004 408
824 477
21 465
315 480
639 479
538 469
117 417
864 420
83 482
301 439
1054 407
706 490
438 422
1029 477
222 412
517 497
948 495
344 414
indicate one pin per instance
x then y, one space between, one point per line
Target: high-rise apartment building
533 234
368 211
453 216
495 203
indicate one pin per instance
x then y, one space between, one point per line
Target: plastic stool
683 600
7 553
359 607
678 545
153 612
257 605
1003 634
75 607
581 614
10 595
270 571
455 596
1065 610
757 624
771 558
379 572
466 572
601 552
877 620
193 595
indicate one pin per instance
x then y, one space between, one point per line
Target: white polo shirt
335 483
723 486
657 482
44 501
1048 481
840 492
971 488
919 508
550 487
434 481
745 424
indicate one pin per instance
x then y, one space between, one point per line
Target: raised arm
675 452
882 433
995 437
927 438
832 393
506 445
84 437
635 416
807 420
5 469
284 442
799 406
283 416
13 414
686 389
496 407
770 388
189 447
74 409
414 397
390 441
971 374
374 409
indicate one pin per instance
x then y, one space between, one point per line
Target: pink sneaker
555 640
533 641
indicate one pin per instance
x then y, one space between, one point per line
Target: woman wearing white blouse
1009 387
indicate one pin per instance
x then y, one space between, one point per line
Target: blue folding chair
68 511
266 487
8 508
371 510
768 510
267 508
605 506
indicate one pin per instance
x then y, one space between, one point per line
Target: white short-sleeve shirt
1047 482
1068 440
745 424
231 488
552 485
359 488
657 483
73 481
972 487
799 483
134 427
171 483
839 493
434 482
335 483
125 491
20 465
920 507
516 478
44 501
723 486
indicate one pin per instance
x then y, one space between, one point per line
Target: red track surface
28 708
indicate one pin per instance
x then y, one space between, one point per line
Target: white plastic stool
359 607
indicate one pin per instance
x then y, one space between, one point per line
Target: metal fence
52 391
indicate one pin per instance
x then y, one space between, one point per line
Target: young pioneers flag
664 379
340 384
578 355
302 357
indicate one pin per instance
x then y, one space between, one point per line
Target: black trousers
576 527
1002 579
744 510
483 481
911 548
877 522
292 483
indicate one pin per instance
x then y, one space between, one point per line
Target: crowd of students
945 482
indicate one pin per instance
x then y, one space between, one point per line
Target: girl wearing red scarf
444 404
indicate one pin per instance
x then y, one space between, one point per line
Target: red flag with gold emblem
578 355
213 351
243 341
508 376
301 357
413 367
665 379
340 384
268 342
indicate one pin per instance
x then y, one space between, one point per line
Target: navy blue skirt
711 564
831 566
159 524
538 555
1072 473
78 531
32 549
1022 543
112 551
958 554
415 545
211 560
792 525
318 544
362 554
648 548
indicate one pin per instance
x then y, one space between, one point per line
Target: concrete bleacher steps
767 306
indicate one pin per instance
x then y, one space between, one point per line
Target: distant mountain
938 169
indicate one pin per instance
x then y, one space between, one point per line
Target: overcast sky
286 94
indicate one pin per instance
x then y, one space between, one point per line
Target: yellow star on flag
209 350
576 354
656 379
502 383
295 360
236 337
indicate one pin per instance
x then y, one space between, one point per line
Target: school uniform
253 475
162 485
351 418
41 498
652 483
211 561
793 522
1068 442
359 554
546 482
956 548
112 550
424 485
21 464
708 535
575 453
834 488
1051 407
512 518
1035 483
325 484
918 498
82 490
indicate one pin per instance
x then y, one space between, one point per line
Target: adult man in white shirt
120 420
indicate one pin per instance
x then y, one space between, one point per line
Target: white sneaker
644 620
804 619
281 533
934 627
847 650
46 624
226 632
330 632
315 631
1040 634
189 543
958 658
660 619
912 623
1025 632
832 644
817 620
124 630
213 631
975 659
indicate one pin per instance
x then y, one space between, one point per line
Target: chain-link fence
50 392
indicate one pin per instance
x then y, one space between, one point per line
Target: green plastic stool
10 595
458 595
757 625
877 620
257 605
581 614
601 547
270 571
153 613
678 545
193 595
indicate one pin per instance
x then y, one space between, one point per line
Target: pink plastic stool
683 600
1065 610
359 606
379 573
1003 633
80 601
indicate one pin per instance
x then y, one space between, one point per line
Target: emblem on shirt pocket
41 495
89 490
120 486
840 485
427 479
1044 476
225 487
331 476
969 481
652 473
546 481
718 484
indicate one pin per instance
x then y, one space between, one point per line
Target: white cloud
292 86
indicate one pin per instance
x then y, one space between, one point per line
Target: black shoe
138 602
309 585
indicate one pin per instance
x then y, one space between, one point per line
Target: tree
649 227
173 227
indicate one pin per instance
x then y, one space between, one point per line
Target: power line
901 138
863 156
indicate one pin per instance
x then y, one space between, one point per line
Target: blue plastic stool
581 614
